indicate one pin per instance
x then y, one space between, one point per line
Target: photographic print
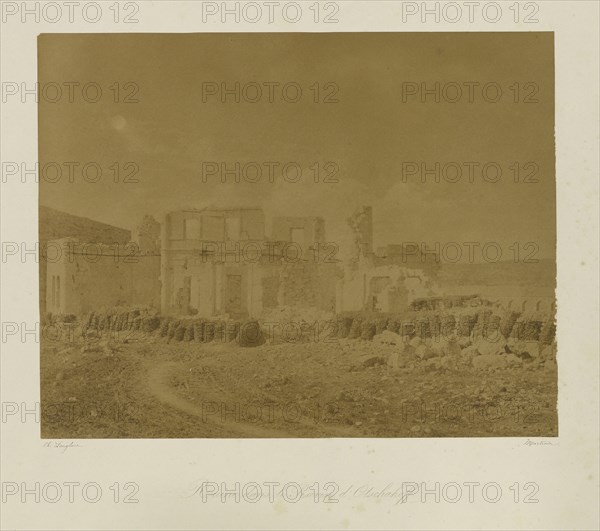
297 235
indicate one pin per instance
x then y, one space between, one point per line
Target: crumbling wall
312 227
97 276
388 288
307 284
148 235
54 225
361 225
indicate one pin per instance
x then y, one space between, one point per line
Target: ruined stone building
55 225
87 275
220 262
386 281
198 262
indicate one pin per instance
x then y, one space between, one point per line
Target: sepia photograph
297 235
303 264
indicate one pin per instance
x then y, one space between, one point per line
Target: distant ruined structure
148 236
83 275
220 262
214 262
55 225
388 281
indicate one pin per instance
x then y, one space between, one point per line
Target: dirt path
161 390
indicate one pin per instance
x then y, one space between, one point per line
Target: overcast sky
369 133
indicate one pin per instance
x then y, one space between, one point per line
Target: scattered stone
489 361
445 347
424 352
513 361
397 360
489 347
373 361
415 342
388 338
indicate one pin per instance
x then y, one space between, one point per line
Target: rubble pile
460 353
483 339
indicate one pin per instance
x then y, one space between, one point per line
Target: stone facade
54 225
386 281
86 277
387 288
220 262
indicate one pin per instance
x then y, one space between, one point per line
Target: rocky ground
148 386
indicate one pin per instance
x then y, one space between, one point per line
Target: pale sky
369 133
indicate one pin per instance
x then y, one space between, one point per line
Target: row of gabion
199 330
246 333
484 323
118 320
481 324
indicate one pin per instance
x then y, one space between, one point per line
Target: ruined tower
147 235
361 224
